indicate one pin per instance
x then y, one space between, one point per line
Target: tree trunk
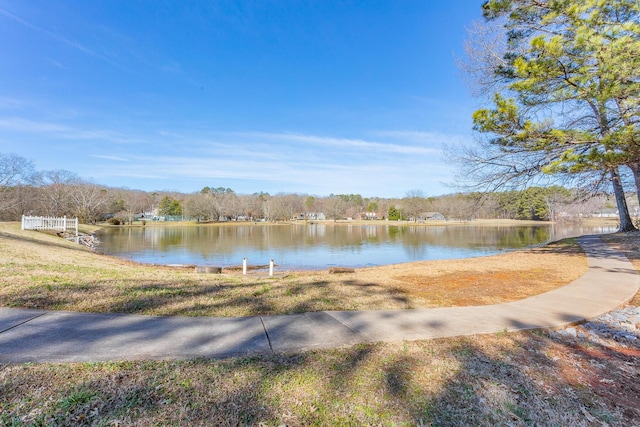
623 211
635 169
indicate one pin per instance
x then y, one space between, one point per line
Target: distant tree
153 202
464 206
508 204
26 203
414 204
531 204
133 203
218 200
268 207
88 201
195 206
555 198
15 173
55 191
348 205
310 205
251 206
169 207
393 214
284 207
336 206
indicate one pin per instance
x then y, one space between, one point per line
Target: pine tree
570 94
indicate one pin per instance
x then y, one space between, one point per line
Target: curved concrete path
52 336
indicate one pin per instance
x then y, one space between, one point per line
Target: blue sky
312 97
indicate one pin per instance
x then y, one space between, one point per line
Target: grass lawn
524 378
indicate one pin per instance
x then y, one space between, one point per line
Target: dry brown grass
486 280
42 271
629 244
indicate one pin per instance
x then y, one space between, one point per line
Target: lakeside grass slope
40 270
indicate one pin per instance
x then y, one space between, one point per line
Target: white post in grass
271 268
244 266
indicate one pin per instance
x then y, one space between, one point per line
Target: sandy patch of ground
477 281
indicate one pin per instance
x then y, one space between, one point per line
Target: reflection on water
317 246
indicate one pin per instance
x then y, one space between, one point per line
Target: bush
394 214
115 221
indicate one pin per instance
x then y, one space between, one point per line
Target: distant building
313 216
366 216
431 216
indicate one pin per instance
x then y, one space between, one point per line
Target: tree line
25 191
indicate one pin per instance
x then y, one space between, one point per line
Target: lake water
319 246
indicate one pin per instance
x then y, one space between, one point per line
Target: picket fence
49 223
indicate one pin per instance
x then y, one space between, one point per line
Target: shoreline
426 223
302 269
589 222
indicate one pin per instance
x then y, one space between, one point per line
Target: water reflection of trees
416 241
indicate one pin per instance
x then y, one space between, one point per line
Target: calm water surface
318 246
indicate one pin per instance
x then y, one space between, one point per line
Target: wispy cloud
56 36
56 63
359 144
426 138
12 103
55 130
30 126
104 157
171 67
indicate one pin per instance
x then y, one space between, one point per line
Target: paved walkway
53 336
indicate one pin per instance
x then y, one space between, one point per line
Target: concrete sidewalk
50 336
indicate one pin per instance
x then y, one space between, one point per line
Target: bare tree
88 200
218 200
55 191
133 203
251 205
335 207
268 207
15 172
284 207
414 204
233 206
485 47
196 206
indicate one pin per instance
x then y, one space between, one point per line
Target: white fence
49 223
